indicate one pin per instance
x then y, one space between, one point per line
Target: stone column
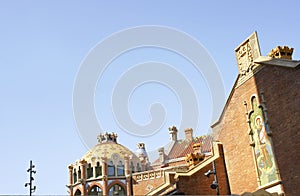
94 171
83 175
104 175
71 179
127 175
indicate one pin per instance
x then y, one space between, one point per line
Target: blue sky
43 43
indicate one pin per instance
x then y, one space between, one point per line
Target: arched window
120 169
132 167
116 190
89 171
78 192
95 190
111 169
74 176
79 173
98 170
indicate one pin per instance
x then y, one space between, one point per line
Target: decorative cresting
282 52
107 137
196 157
262 145
245 55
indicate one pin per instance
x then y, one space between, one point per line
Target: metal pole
30 170
30 178
216 177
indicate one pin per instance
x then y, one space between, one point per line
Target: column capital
82 161
71 166
103 159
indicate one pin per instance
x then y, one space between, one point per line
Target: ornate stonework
245 55
282 52
193 159
107 137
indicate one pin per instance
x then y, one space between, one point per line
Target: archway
95 190
77 192
116 189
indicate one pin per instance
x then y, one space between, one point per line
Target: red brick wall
140 187
281 87
281 92
199 184
235 139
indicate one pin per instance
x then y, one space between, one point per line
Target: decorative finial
281 52
107 137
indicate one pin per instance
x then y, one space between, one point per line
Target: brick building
254 146
259 127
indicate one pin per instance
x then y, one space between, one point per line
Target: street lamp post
31 171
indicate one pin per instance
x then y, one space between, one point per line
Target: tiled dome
108 147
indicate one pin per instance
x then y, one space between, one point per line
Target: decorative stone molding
245 55
107 137
281 52
149 187
148 175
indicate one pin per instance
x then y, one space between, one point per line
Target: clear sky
42 46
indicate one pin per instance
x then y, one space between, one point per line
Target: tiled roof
183 147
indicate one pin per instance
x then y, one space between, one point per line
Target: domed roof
109 148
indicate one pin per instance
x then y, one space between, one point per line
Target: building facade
254 146
259 127
106 168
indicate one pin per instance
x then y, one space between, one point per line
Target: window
75 176
79 173
89 171
95 190
98 170
111 169
132 167
120 169
116 190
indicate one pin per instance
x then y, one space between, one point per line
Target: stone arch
95 189
117 188
78 191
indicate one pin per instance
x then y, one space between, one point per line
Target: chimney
281 52
161 152
173 133
188 133
197 148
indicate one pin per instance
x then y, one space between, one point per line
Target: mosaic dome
108 148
